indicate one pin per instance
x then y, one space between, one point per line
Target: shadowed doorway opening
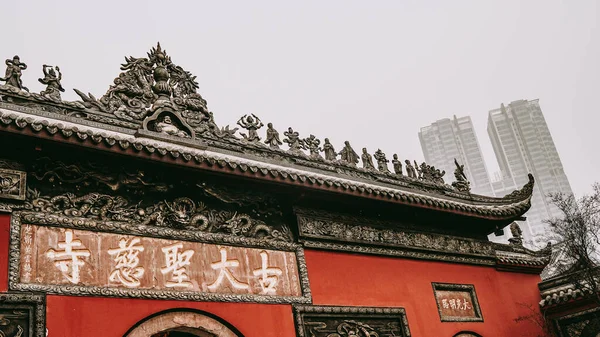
183 323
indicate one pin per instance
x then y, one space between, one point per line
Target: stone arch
182 322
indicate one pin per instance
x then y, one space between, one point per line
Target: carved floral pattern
12 184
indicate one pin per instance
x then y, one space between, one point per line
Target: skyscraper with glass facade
523 144
446 139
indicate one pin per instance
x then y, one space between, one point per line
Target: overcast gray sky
372 72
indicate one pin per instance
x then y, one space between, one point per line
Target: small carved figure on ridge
312 144
167 127
517 234
14 70
294 142
252 125
52 82
367 160
329 151
410 170
381 161
397 165
348 155
272 137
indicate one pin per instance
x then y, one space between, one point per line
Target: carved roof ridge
154 103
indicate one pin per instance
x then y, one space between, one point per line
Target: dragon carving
181 213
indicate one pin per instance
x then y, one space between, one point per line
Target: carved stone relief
22 315
100 192
12 184
323 226
326 321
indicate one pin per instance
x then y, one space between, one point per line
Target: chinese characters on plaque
59 256
457 302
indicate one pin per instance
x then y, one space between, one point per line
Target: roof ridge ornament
462 184
525 192
147 84
159 100
14 71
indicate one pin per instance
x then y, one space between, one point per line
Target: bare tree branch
577 231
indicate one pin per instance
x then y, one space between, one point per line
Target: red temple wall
360 280
335 279
4 241
111 317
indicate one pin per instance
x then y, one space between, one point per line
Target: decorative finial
52 78
272 137
14 70
462 184
252 125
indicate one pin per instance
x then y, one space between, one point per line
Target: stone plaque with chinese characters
70 257
457 302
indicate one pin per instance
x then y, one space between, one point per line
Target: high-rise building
523 144
446 139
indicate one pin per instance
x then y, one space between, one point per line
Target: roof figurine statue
167 127
438 176
381 161
430 174
152 93
272 137
329 150
52 78
462 184
517 234
410 170
312 144
296 145
367 160
14 71
418 171
252 124
397 165
348 156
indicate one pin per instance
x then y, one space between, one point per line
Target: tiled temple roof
562 295
153 110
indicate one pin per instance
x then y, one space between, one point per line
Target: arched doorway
183 323
467 334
